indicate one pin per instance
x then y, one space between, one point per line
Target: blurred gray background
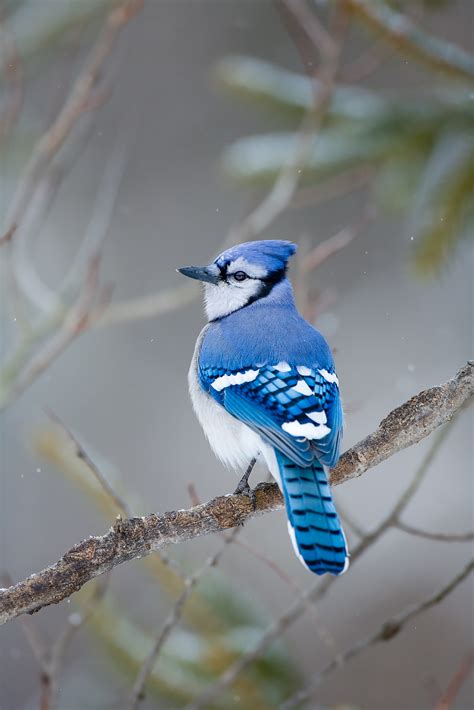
123 389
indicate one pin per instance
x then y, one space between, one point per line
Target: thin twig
303 44
314 29
406 37
284 187
19 365
337 186
28 627
121 504
338 241
350 522
75 323
440 537
460 676
23 274
173 620
13 71
366 63
309 259
156 304
8 235
76 103
386 632
41 296
54 660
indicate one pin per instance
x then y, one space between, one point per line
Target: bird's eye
240 276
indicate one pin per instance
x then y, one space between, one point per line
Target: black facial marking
267 284
223 269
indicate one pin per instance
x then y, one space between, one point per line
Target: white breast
233 442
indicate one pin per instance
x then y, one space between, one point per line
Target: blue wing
294 408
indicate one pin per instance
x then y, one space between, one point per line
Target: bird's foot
243 489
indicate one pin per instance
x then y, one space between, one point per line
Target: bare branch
78 101
338 241
440 537
285 186
337 186
15 375
386 632
136 537
314 29
461 675
350 522
75 323
13 71
54 660
366 63
405 36
30 631
174 618
407 424
119 502
156 304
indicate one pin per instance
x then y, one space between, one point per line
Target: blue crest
272 254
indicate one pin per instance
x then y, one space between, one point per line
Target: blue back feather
267 331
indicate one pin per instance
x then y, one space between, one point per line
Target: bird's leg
243 487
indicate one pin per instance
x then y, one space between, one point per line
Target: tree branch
135 537
462 673
78 101
173 620
439 537
386 632
405 36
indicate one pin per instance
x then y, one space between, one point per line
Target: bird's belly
233 442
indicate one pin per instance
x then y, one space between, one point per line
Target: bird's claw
243 489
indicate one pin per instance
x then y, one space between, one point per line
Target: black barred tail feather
313 523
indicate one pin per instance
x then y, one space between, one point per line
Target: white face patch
225 298
303 388
307 431
329 376
228 296
239 378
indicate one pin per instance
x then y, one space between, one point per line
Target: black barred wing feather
296 408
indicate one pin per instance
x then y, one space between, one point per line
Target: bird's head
241 275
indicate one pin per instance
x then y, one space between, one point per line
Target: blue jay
262 381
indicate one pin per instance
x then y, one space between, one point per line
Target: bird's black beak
201 273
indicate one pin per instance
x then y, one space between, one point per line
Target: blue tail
313 523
